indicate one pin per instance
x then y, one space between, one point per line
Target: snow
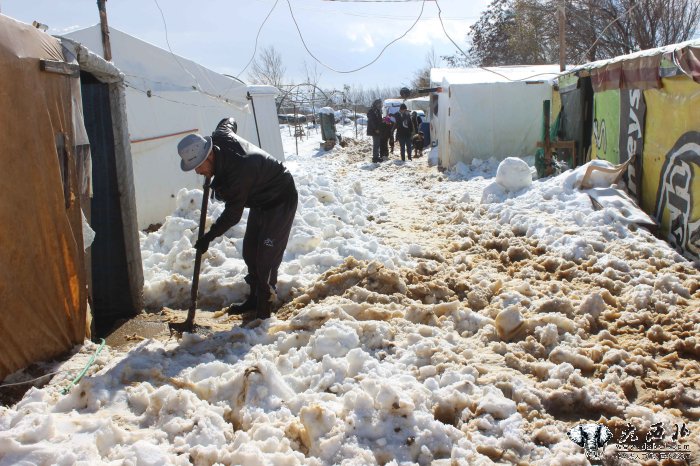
513 174
327 228
500 74
423 323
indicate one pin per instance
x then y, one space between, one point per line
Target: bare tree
268 68
421 77
514 32
364 97
313 75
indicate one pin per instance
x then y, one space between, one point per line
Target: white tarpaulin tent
420 103
481 114
169 96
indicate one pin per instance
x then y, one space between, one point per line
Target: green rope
82 373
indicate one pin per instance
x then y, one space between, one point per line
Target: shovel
188 324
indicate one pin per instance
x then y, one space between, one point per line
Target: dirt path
601 339
629 333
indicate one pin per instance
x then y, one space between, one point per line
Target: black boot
249 304
264 309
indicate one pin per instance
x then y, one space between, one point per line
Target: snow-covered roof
419 99
639 54
497 74
147 66
260 89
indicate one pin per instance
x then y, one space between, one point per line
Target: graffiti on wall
675 193
599 136
606 126
632 113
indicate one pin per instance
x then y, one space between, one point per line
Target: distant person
374 123
404 132
385 134
418 143
246 176
392 136
417 121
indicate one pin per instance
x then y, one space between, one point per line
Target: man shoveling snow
246 176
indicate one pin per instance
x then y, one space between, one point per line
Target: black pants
384 147
405 144
264 242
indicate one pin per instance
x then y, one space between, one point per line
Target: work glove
202 244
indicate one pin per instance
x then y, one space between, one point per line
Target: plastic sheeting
576 116
42 275
646 109
169 96
490 120
484 113
671 165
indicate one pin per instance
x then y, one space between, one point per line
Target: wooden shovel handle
198 258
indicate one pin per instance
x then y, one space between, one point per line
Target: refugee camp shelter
167 97
419 103
58 157
483 113
645 111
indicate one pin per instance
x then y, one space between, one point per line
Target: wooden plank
547 143
163 136
127 198
60 67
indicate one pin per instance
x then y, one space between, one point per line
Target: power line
167 41
198 88
539 74
380 53
24 382
151 94
374 1
463 53
255 49
392 17
600 36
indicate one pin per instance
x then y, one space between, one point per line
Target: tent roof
496 74
640 70
424 98
147 67
695 43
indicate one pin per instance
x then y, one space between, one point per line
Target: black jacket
386 130
404 125
245 176
417 121
374 121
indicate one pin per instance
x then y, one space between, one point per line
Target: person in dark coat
374 122
385 134
417 121
418 143
392 136
404 131
246 176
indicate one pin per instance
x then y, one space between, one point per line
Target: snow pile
474 334
513 174
328 227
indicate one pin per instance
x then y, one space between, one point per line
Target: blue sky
220 34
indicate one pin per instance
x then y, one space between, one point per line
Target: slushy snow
419 325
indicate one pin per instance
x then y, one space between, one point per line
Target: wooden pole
547 143
107 48
562 35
